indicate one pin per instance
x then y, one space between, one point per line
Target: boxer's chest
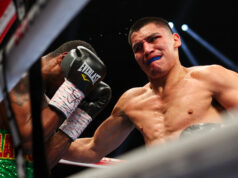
183 105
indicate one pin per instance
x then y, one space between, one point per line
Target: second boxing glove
83 71
91 106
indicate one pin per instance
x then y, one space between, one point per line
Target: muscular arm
224 85
109 135
56 147
20 101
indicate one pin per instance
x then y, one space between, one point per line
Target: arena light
212 49
171 24
184 27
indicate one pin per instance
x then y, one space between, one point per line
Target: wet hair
146 20
67 46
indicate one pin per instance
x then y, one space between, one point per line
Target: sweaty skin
163 115
56 142
20 103
175 97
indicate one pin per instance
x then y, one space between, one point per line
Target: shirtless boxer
60 79
175 98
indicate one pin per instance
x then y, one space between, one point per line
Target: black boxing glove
87 110
97 100
83 70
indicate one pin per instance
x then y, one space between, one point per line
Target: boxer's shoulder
134 92
204 72
127 98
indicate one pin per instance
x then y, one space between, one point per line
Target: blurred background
105 24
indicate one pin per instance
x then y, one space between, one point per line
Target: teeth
153 59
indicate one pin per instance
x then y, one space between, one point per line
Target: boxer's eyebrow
138 45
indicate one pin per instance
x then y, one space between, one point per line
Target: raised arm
20 101
72 71
109 135
92 105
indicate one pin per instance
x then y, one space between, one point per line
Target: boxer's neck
175 75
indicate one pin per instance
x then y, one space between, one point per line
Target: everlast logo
86 69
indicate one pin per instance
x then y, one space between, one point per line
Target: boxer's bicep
80 151
111 133
225 86
20 99
21 106
228 98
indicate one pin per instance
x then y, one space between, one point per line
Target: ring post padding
53 18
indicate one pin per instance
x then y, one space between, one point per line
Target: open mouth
153 59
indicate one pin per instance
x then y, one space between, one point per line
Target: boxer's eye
137 47
151 39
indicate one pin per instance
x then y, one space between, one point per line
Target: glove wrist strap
67 98
76 124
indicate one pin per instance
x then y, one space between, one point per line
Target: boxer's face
155 49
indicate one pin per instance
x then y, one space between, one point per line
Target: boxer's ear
61 56
64 54
177 40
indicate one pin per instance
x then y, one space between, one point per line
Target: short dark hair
146 20
67 46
